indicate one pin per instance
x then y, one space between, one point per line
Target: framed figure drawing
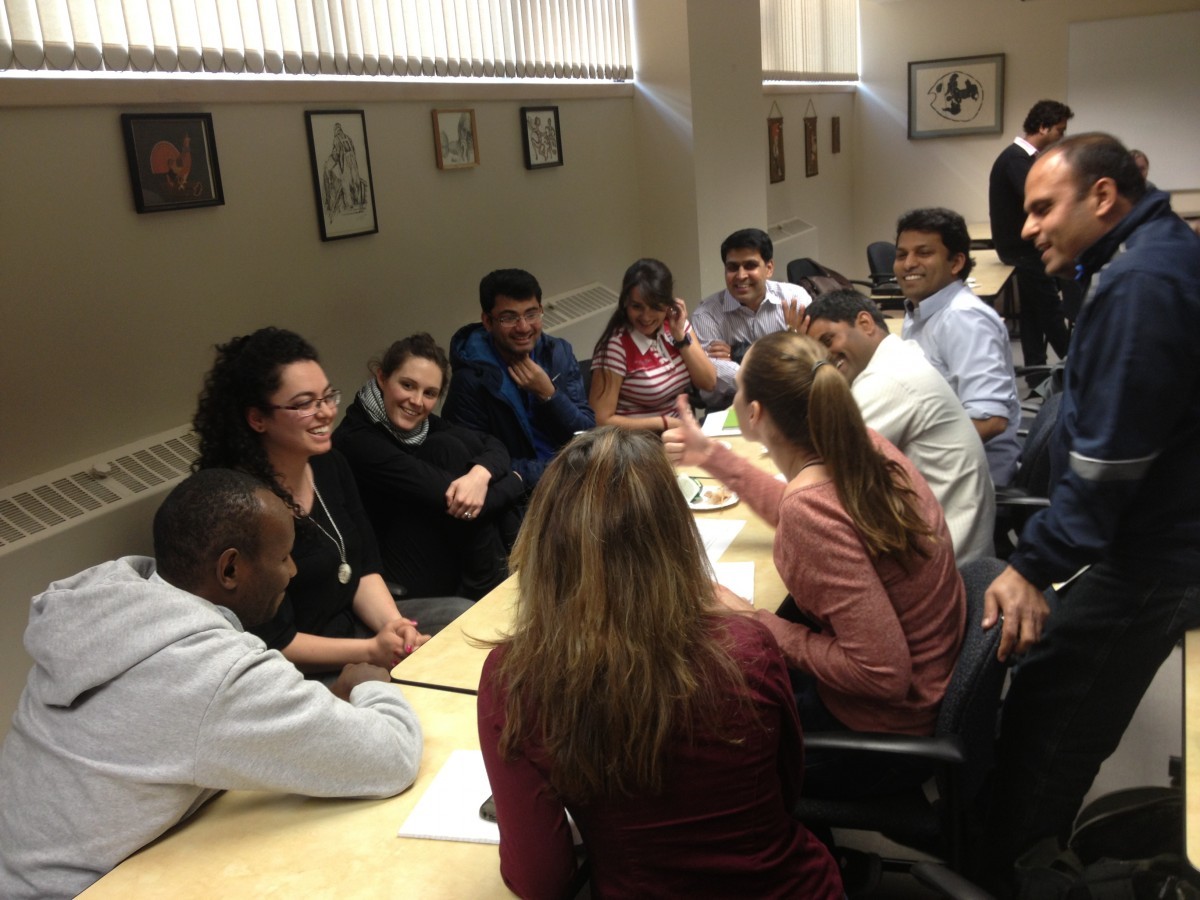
541 137
775 158
954 97
337 145
172 161
454 138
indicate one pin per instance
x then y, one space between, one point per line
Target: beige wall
893 174
109 317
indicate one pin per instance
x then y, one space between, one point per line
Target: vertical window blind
569 39
809 40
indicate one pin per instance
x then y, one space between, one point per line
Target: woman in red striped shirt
647 355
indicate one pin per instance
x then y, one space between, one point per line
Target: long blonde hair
810 403
617 648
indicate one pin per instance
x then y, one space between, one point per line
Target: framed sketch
172 161
952 97
835 125
775 158
337 145
541 137
454 138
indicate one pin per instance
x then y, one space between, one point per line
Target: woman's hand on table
686 444
396 640
731 601
465 496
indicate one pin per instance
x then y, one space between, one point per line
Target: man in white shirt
751 306
963 337
908 401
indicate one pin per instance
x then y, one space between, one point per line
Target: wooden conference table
259 844
1191 745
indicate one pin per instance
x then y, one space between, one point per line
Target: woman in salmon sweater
862 547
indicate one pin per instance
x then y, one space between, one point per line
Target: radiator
64 521
579 316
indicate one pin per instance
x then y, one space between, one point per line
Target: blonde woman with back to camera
626 695
862 547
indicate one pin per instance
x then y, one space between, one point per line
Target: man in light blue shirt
962 336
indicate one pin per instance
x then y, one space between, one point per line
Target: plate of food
701 496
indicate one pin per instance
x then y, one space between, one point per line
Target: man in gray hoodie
147 697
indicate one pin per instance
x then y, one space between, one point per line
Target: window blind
809 40
568 39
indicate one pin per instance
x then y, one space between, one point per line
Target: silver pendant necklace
344 571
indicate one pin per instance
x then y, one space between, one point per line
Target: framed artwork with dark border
541 137
954 97
776 163
172 161
341 164
810 146
455 139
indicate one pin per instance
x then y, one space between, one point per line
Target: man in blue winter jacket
1125 497
514 382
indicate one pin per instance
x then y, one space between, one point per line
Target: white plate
703 505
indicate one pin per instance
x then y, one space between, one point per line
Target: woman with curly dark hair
444 499
267 409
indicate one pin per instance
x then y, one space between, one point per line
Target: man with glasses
750 307
512 381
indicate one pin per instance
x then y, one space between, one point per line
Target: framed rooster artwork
172 161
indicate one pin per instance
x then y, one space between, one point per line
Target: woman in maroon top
862 547
665 725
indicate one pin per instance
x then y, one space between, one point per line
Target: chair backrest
815 278
881 259
1033 475
972 698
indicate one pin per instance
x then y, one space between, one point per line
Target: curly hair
245 374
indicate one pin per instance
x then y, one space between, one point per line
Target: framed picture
810 146
775 158
835 125
951 97
454 138
542 140
172 161
337 145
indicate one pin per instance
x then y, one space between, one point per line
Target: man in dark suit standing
1041 311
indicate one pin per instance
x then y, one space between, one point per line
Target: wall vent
579 316
33 509
793 239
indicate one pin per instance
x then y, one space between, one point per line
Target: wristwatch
685 341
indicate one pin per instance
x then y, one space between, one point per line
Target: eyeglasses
308 408
509 319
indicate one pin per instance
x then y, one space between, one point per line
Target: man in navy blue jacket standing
1125 501
514 382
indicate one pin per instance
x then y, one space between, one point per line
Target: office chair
961 748
885 290
817 279
1030 487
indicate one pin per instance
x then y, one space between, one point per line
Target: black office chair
961 748
818 279
1030 487
885 290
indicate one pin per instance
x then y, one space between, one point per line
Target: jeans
1073 696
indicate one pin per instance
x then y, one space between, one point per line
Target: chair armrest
948 882
1011 496
946 749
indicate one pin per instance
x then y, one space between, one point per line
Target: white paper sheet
449 809
721 422
737 576
718 534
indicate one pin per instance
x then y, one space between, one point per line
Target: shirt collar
730 303
934 303
644 343
1026 146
